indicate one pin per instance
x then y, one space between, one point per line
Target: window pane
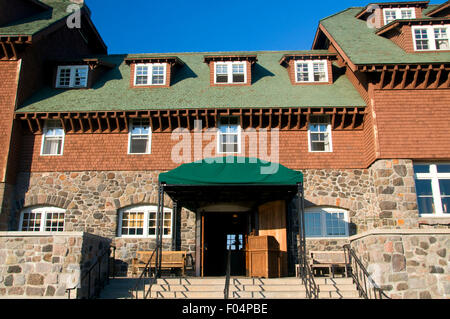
423 187
221 78
313 227
441 38
31 222
302 72
132 223
141 75
318 147
64 77
335 224
54 222
420 168
52 146
424 196
421 37
238 78
139 144
443 168
81 75
319 72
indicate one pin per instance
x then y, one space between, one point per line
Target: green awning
231 171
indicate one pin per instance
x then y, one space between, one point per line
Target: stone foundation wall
407 264
92 201
45 265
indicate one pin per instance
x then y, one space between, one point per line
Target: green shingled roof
37 23
363 46
191 88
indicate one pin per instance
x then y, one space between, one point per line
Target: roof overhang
173 60
91 62
222 58
368 10
398 23
309 56
442 7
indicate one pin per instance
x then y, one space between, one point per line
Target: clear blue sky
148 26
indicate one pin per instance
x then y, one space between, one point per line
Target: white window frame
72 69
431 37
43 210
434 176
239 136
45 137
330 139
398 13
229 65
130 135
150 74
311 70
146 209
324 211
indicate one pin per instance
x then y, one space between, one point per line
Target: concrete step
187 294
331 281
232 287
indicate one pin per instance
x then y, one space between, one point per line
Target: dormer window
150 74
431 38
73 76
230 72
311 71
398 13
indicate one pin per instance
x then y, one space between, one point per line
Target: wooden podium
263 257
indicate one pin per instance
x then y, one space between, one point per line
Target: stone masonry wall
45 265
407 264
92 201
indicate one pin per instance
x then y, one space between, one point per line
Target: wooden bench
330 260
169 260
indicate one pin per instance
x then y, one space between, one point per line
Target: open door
272 222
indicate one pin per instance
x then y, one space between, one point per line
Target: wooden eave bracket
296 118
172 60
309 56
222 58
9 46
402 67
93 63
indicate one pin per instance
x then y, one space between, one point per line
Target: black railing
144 276
366 286
305 272
226 291
95 282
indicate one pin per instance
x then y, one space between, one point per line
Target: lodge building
93 144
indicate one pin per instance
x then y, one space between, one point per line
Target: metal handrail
88 274
226 291
141 278
362 278
307 276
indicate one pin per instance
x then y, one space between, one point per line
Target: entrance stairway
240 288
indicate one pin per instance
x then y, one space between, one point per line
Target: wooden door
272 222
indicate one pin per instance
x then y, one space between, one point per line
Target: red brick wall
413 123
402 37
109 152
8 87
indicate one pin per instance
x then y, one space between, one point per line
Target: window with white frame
52 138
431 38
150 74
433 188
326 222
230 72
229 135
319 134
39 219
139 136
142 221
72 76
398 13
311 71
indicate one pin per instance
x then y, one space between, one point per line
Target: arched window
39 219
140 221
326 222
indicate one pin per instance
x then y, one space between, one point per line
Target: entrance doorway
225 232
